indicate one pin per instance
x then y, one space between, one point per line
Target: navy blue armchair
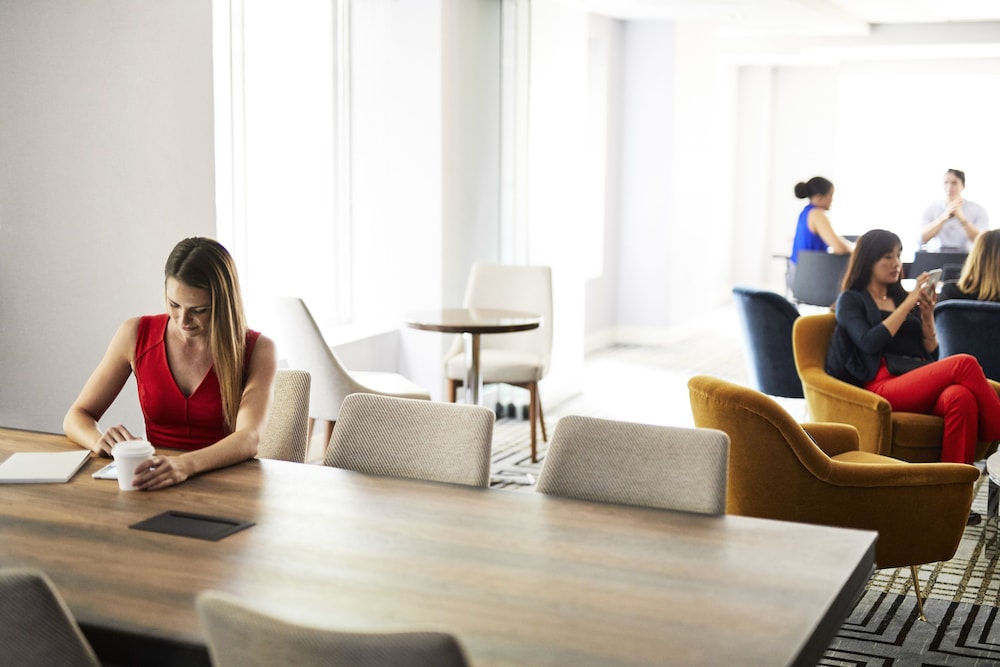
767 319
970 327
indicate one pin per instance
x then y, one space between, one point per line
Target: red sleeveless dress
172 419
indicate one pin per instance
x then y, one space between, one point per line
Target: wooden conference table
518 577
472 323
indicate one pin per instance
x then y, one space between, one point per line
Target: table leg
473 379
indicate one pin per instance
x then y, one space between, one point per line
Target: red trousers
954 388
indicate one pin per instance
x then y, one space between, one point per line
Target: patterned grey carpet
884 629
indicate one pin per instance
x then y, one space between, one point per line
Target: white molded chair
331 382
37 629
665 467
399 437
522 358
288 424
239 636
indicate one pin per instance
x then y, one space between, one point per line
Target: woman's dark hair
817 185
958 174
869 249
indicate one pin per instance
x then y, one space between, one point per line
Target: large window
282 130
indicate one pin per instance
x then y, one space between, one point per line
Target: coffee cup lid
133 448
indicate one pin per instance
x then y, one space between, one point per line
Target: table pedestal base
473 379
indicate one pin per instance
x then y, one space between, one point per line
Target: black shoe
974 519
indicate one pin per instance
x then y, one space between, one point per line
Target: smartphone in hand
933 278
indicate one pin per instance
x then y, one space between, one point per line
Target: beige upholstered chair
239 636
288 422
37 629
637 464
399 437
817 473
522 358
305 349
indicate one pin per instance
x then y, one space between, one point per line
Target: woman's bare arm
81 421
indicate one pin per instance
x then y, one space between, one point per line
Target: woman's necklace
879 299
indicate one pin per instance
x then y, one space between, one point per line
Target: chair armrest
832 438
894 475
832 400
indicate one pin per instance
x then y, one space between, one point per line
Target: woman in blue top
814 231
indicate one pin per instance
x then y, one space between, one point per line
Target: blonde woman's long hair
204 263
981 271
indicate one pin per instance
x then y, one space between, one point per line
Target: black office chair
767 319
970 327
817 277
950 262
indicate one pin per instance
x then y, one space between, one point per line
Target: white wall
106 136
676 207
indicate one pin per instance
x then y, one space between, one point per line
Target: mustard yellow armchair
815 473
907 436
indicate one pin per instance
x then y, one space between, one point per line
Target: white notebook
40 467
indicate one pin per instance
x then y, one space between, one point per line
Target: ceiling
791 31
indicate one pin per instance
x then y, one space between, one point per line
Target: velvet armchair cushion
777 471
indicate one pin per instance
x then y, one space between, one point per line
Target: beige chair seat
389 384
507 366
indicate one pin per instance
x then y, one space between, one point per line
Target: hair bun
802 190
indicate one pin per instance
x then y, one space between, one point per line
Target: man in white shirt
953 223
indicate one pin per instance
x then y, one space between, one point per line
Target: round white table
473 323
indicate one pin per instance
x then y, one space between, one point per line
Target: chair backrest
768 447
833 400
970 327
767 320
818 276
811 336
239 636
305 348
401 437
637 464
950 262
522 288
37 629
288 423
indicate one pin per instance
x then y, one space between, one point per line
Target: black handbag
897 364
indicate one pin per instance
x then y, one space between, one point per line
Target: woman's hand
926 303
919 290
110 438
160 472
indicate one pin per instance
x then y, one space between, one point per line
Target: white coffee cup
128 455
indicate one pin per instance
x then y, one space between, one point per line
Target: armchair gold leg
916 588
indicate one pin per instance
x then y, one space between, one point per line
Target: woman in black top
885 341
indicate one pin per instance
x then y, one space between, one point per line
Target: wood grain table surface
520 578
